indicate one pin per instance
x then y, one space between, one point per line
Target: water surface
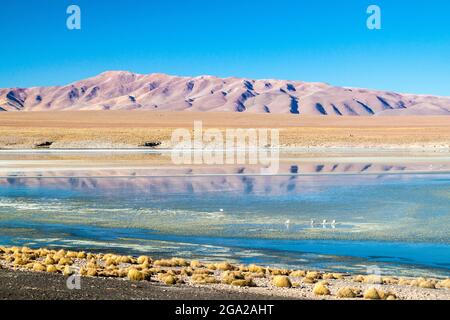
390 214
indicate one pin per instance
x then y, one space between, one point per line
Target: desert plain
133 129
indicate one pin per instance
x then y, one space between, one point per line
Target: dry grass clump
49 260
313 275
427 284
65 261
298 274
52 269
258 275
243 268
256 269
203 279
282 282
135 275
229 276
174 262
424 283
39 267
309 280
332 276
72 254
91 272
247 282
237 278
389 280
444 284
196 264
111 262
321 289
186 272
377 294
20 261
404 282
168 279
142 260
68 271
203 271
372 294
179 262
224 266
358 278
125 259
163 263
373 279
348 292
279 272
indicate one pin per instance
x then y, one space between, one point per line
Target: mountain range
122 90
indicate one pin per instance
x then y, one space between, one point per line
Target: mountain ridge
119 90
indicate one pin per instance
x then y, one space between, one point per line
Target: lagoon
392 213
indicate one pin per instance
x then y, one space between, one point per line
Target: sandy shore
125 129
42 273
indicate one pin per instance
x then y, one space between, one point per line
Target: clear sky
325 41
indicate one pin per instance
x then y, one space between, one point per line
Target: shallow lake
389 215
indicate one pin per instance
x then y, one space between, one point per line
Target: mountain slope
115 90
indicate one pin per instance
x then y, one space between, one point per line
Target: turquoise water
396 222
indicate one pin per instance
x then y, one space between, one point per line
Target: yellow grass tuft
359 278
372 294
125 259
169 280
320 289
256 269
143 259
281 282
224 266
91 272
313 275
52 269
309 280
39 267
65 261
248 282
203 279
135 275
196 264
378 294
444 284
427 284
373 279
68 271
298 273
279 272
348 292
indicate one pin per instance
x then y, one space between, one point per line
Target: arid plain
132 129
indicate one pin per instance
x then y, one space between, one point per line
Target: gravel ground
44 286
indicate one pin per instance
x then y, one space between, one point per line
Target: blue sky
323 41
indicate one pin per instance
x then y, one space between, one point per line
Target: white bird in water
324 222
221 210
312 223
287 222
333 224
